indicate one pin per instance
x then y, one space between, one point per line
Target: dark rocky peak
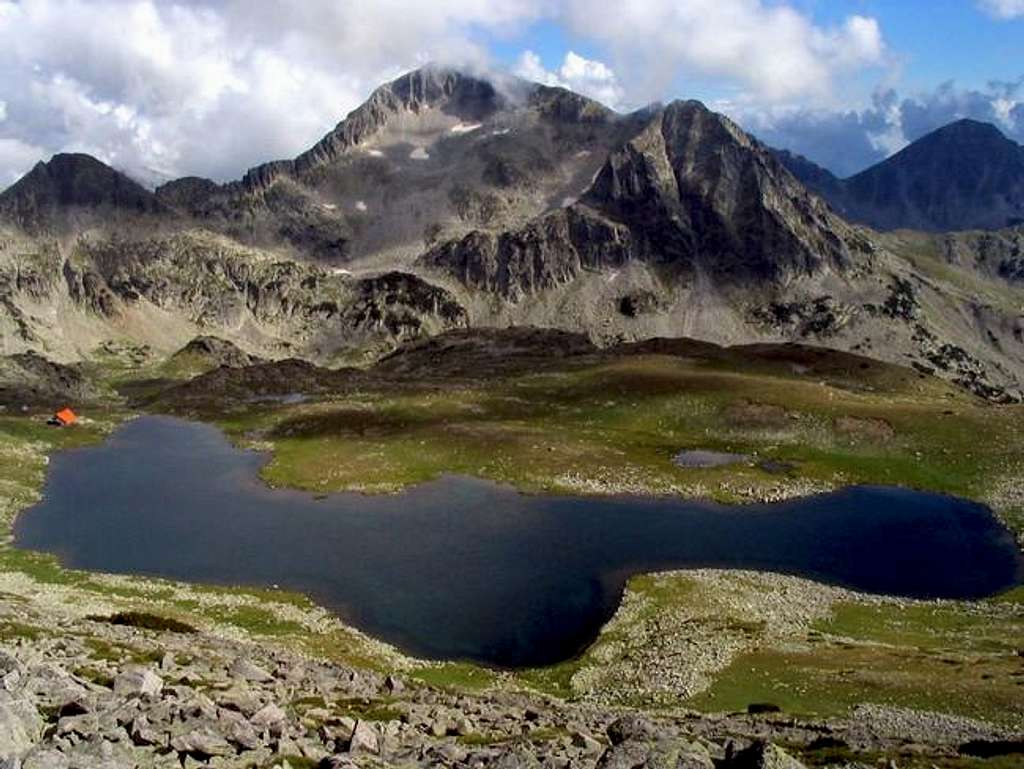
189 193
965 133
957 153
460 94
966 175
73 180
696 190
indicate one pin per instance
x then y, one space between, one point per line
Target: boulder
99 753
338 730
518 758
630 727
45 759
20 725
268 717
242 734
763 755
12 673
630 755
143 733
202 742
586 742
338 762
138 682
243 668
83 725
239 699
364 739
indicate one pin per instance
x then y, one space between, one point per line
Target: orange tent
65 417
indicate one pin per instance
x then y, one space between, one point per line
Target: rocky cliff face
998 254
964 176
434 151
691 191
164 290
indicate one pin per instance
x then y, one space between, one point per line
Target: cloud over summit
212 87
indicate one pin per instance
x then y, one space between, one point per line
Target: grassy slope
616 427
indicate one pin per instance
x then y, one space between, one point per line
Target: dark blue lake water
462 568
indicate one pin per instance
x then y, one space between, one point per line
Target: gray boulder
45 759
138 682
202 742
243 668
364 740
268 717
764 755
20 725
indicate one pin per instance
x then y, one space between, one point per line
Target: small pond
463 568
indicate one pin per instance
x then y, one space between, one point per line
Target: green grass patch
455 676
11 629
98 677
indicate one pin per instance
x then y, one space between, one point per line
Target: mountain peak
463 94
466 96
965 175
968 128
72 180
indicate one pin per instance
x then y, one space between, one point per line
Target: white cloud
1003 9
16 157
586 76
212 87
770 51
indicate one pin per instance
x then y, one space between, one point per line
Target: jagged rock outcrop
966 175
998 254
696 190
690 191
547 252
164 290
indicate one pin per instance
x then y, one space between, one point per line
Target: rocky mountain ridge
456 201
691 192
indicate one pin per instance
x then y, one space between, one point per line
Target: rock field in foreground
86 694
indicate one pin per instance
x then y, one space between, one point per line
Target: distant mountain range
964 176
450 200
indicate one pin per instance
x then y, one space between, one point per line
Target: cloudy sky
212 87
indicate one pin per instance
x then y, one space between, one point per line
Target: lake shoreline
236 482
